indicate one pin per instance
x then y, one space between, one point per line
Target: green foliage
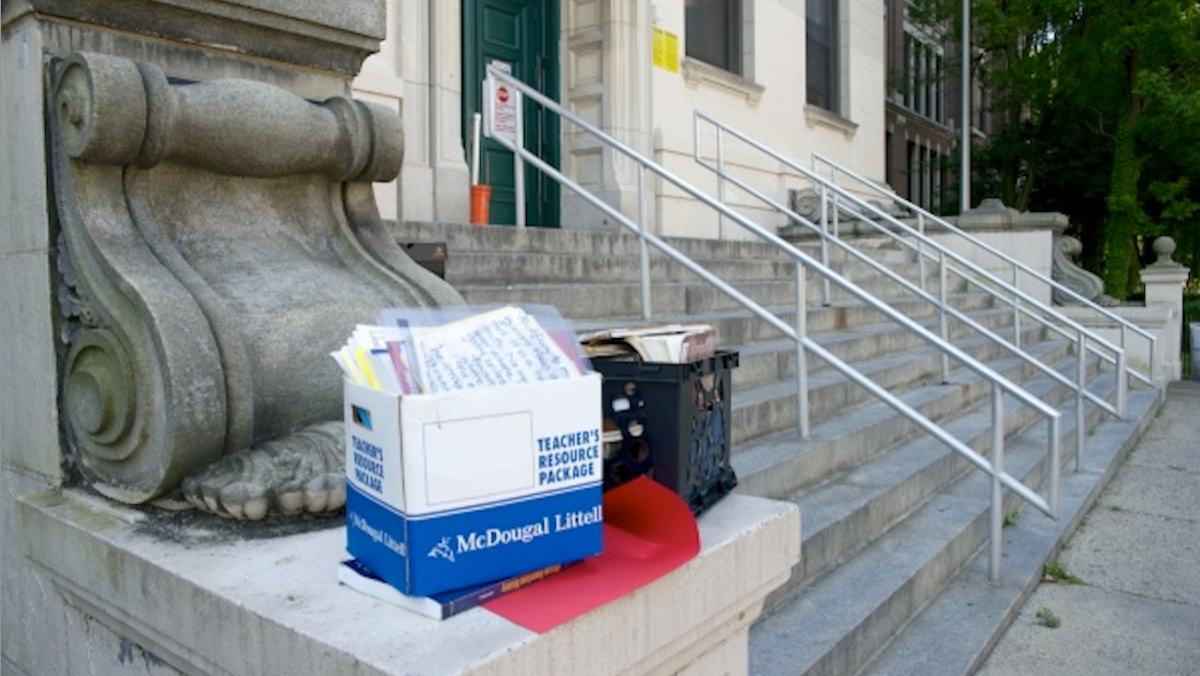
1048 619
1055 572
1098 106
1176 207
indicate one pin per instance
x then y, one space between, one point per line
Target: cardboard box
449 490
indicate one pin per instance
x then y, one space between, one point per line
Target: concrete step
593 306
768 361
460 237
861 599
479 257
883 248
576 296
766 407
479 267
891 517
480 276
779 465
957 630
476 269
579 301
847 513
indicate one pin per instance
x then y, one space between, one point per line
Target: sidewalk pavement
1136 609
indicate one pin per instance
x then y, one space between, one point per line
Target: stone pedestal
1155 320
94 587
1161 316
1024 236
138 595
1164 281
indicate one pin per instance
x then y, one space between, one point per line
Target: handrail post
1016 310
801 360
1055 432
1153 362
489 95
518 162
720 182
921 248
837 217
835 226
823 206
1080 420
647 311
997 511
943 321
1122 383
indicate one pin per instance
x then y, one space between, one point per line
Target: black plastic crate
673 422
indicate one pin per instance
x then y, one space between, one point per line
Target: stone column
606 81
1164 280
309 48
418 73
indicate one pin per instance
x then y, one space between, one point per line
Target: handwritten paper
495 348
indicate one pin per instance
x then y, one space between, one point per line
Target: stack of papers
668 343
499 347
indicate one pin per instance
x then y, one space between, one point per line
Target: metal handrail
1086 340
925 215
1000 385
924 239
923 294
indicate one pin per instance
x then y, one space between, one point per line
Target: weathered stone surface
1075 278
219 240
331 36
205 601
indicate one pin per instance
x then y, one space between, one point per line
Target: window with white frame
713 33
821 53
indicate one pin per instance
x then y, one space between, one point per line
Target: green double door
523 35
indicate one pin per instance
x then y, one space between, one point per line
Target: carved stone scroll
1064 271
219 239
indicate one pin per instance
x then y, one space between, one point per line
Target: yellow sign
666 50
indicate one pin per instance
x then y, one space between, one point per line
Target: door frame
542 130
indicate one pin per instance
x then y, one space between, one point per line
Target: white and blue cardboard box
449 490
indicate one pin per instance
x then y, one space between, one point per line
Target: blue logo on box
476 545
443 550
361 416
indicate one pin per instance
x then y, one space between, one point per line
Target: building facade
800 77
924 112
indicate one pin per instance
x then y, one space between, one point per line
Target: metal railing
834 201
511 137
1016 267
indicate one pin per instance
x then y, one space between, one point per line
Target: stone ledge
273 606
1161 321
329 36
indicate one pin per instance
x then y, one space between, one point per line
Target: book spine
448 603
498 589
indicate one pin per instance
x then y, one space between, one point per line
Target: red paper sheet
648 532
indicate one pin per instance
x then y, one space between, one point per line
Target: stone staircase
891 578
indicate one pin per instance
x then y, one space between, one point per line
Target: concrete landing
1137 609
273 606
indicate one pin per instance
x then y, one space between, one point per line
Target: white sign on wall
503 105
